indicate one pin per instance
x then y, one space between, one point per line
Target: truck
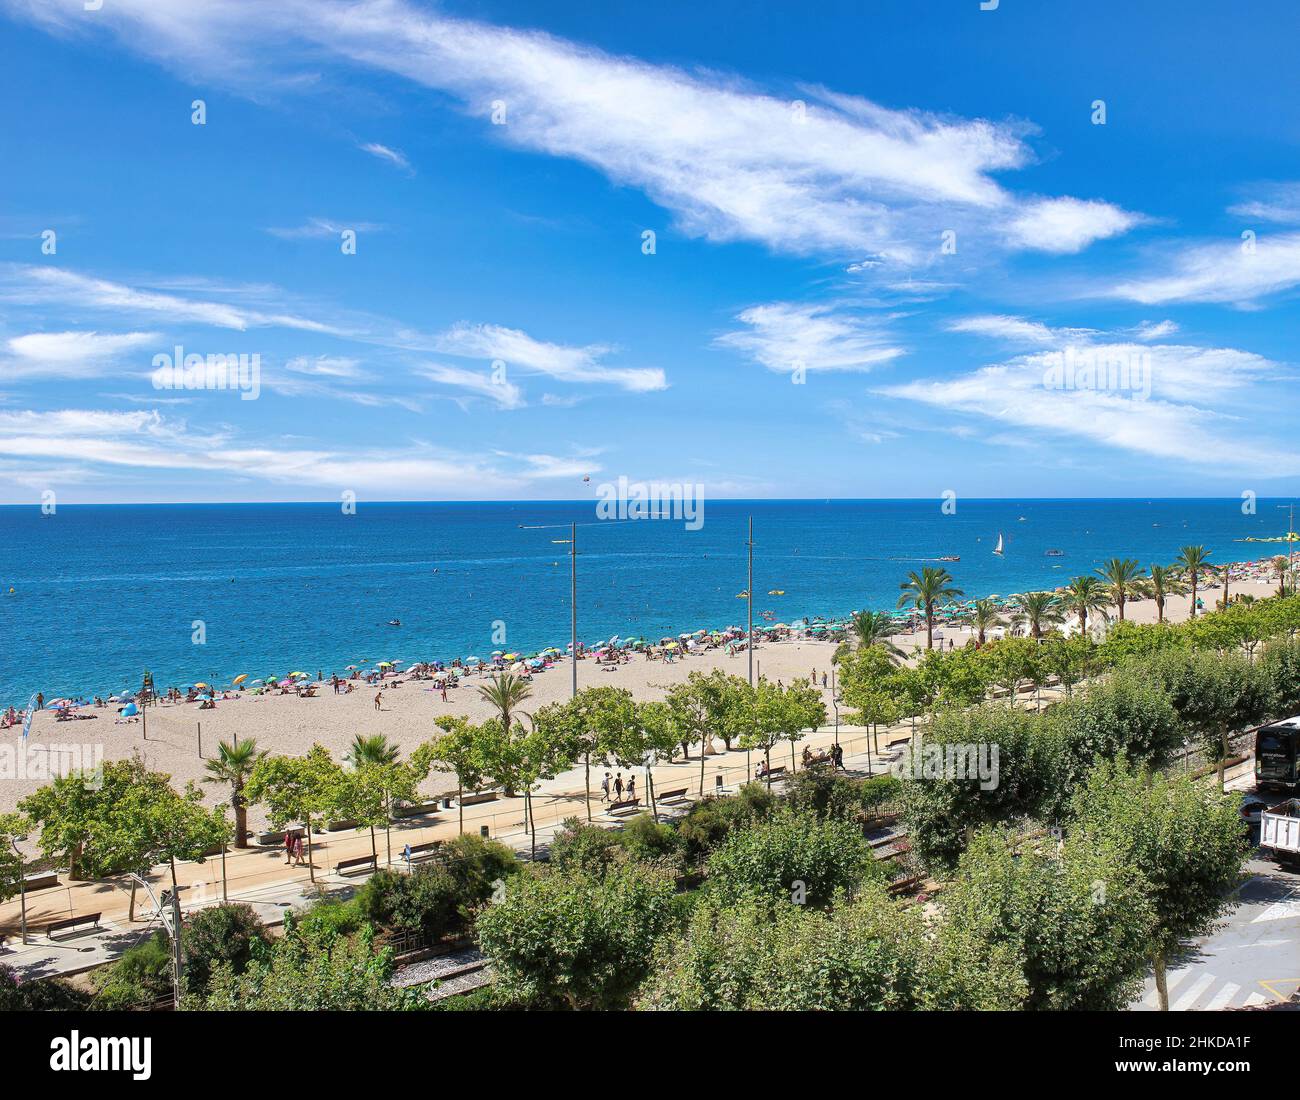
1279 831
1276 756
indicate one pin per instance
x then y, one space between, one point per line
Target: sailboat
998 549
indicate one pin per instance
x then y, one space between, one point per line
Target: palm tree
233 765
373 750
924 591
1123 577
1038 609
1193 561
1280 566
983 617
1163 583
874 628
1085 596
506 692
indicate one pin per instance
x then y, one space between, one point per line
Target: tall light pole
22 883
573 599
750 592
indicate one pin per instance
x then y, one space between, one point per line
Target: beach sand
290 725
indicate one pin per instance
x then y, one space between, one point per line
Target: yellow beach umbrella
241 678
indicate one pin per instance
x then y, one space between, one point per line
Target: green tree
1192 561
1164 581
1123 580
457 751
231 934
1085 596
506 693
574 941
984 615
1078 919
233 765
1040 611
925 590
309 790
591 724
875 628
378 781
1186 841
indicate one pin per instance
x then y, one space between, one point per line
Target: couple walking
293 849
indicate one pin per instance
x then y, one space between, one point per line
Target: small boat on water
1056 553
949 557
998 548
394 622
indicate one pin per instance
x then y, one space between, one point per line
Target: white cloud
1273 202
30 285
324 227
1155 330
384 152
325 366
1001 327
560 361
1068 225
70 354
1179 418
505 393
73 445
1228 272
782 335
831 173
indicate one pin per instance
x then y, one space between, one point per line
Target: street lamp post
22 884
749 591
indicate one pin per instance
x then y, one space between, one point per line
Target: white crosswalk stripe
1223 998
1190 997
1172 982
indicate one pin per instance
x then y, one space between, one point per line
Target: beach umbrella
130 710
385 664
286 683
671 645
251 682
240 678
200 684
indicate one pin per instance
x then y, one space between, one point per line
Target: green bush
220 933
576 941
329 917
773 857
649 841
40 995
710 820
580 848
142 976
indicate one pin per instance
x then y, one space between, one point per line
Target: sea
92 596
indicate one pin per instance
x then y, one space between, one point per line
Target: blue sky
800 328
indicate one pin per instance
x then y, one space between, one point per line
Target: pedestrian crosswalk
1206 993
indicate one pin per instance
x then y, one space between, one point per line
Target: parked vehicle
1276 755
1279 831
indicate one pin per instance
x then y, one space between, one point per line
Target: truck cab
1276 755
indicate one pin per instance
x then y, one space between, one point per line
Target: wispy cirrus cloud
324 227
563 362
782 336
829 173
1233 272
1278 203
386 153
1169 405
72 354
502 392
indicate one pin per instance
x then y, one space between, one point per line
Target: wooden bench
419 852
71 922
772 773
625 808
476 799
890 742
349 865
669 797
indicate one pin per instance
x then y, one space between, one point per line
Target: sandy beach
290 725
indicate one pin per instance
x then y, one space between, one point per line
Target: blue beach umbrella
130 710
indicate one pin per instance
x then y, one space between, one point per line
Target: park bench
41 880
771 773
476 799
890 742
677 795
625 808
71 922
348 865
418 809
424 851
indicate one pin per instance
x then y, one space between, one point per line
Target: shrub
710 820
220 933
648 841
142 976
40 995
580 848
329 917
424 901
576 941
771 858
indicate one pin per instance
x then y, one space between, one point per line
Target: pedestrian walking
297 849
379 698
631 787
288 848
618 787
604 788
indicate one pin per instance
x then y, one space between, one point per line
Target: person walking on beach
379 700
604 788
444 691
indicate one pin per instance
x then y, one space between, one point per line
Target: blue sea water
101 593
